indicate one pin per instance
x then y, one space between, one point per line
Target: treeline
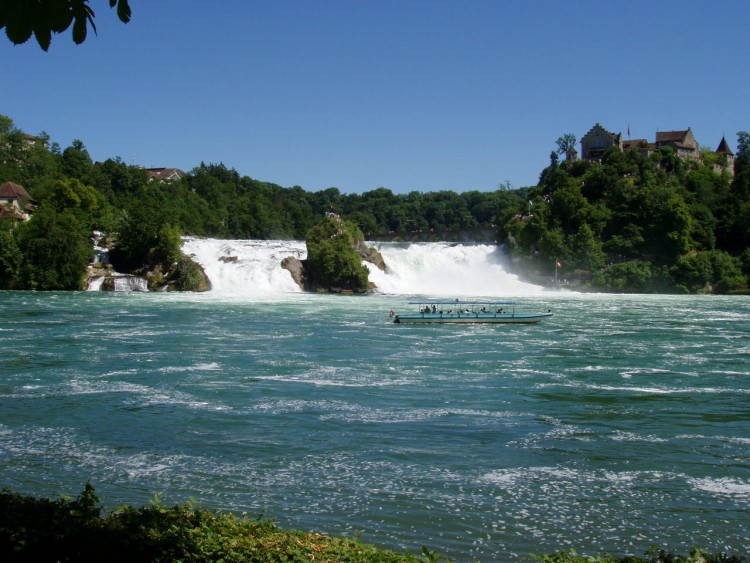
640 222
632 222
144 218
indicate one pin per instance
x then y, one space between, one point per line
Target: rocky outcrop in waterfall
372 255
185 274
296 267
335 251
306 281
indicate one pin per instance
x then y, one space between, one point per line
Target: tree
145 237
6 124
11 260
76 160
587 251
21 18
566 143
743 145
332 255
56 248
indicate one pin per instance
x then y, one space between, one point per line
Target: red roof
11 190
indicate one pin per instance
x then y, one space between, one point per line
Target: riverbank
34 529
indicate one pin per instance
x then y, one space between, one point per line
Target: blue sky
407 95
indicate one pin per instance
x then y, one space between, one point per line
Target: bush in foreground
74 530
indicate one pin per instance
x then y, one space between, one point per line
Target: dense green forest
633 222
641 222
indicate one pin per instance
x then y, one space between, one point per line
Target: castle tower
726 156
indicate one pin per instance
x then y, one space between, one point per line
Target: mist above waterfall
247 268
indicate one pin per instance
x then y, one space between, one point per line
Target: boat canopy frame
459 302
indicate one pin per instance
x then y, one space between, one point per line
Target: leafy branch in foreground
21 18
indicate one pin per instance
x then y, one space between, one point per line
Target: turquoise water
622 422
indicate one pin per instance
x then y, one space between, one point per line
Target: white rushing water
247 268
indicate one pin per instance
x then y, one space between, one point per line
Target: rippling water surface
622 422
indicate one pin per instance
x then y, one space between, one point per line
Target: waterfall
119 282
447 269
253 267
126 282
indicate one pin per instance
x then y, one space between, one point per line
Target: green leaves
21 18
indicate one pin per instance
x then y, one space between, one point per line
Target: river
620 423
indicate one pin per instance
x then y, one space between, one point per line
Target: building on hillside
596 142
165 174
683 142
641 145
15 202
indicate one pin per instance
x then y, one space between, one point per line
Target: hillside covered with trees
633 222
639 222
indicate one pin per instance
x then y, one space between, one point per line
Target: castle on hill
598 140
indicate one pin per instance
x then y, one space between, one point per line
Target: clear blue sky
409 95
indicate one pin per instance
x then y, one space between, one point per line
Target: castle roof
723 147
672 136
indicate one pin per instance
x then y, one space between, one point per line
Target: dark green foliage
628 277
21 18
76 161
332 256
56 248
11 259
63 530
146 237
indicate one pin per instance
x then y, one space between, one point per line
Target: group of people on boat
434 310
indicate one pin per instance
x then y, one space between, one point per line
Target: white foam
723 486
252 268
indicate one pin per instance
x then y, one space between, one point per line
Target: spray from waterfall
246 268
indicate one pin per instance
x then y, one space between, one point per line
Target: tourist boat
468 312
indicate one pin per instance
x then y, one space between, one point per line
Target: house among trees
598 140
15 202
165 175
